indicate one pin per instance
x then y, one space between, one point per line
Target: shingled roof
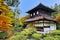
42 7
39 18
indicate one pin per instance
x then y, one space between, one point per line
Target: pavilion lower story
44 27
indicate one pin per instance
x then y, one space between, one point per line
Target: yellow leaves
10 14
22 19
4 23
1 0
4 8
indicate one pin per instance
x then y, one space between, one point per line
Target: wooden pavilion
40 17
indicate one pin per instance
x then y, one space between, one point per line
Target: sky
26 5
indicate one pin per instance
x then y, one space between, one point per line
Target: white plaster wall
53 26
47 30
41 25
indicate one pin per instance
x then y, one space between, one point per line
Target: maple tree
5 16
4 23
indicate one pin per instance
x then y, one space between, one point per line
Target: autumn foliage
4 23
58 17
1 0
5 14
23 19
7 17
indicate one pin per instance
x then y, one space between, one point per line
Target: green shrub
3 35
55 32
36 36
23 35
52 37
57 37
48 38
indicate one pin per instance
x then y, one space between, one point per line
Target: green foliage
54 35
57 7
3 35
12 2
54 14
22 24
52 38
48 38
17 12
16 23
23 35
55 32
58 26
36 36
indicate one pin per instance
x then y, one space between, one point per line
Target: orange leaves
58 17
4 23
